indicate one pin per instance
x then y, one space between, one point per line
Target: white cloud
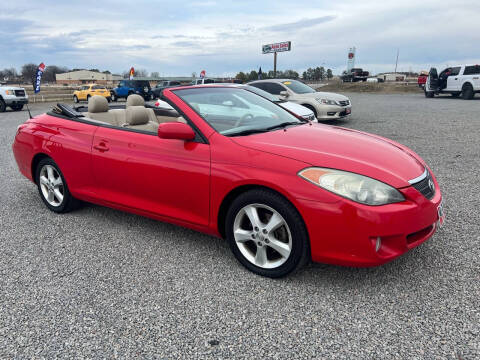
226 37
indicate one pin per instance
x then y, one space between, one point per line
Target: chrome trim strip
419 178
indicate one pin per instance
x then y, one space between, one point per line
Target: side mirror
284 94
175 130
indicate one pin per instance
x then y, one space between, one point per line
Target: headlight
327 102
10 92
359 188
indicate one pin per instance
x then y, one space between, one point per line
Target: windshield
235 112
263 93
298 87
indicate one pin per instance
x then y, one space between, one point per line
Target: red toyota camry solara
228 162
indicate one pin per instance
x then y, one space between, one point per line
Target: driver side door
141 171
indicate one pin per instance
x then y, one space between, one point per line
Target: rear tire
467 92
276 242
114 97
109 99
53 188
3 107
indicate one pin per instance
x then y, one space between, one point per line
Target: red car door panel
162 176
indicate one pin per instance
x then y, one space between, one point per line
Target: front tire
311 108
3 107
467 92
267 234
75 99
17 107
114 97
429 94
53 188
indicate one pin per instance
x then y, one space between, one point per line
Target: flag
38 77
132 72
260 73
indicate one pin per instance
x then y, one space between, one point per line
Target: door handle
456 78
101 147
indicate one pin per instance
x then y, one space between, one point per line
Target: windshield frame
287 118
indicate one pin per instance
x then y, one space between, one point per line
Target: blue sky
224 37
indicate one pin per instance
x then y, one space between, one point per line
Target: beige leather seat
137 100
137 117
98 110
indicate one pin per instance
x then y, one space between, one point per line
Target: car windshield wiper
257 131
283 125
247 132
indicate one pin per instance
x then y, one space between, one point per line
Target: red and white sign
202 74
277 47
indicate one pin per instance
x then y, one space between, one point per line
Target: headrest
135 100
97 104
136 115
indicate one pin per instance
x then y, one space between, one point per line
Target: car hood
322 95
296 108
343 149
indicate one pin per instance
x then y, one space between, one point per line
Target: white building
86 77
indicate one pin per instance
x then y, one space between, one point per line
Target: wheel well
232 195
311 108
467 84
36 159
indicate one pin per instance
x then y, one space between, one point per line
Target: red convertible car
230 163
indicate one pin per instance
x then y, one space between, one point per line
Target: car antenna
29 113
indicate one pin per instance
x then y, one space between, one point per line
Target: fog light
378 243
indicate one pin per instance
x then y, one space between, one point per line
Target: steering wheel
243 118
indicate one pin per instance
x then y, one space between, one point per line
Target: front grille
20 93
426 186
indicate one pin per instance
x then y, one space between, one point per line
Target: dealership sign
277 47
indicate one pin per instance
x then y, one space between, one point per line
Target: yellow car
86 91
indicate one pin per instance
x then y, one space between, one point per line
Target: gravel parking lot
100 283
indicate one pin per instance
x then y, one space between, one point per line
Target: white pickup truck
12 96
454 80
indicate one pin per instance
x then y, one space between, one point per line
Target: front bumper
345 233
332 112
14 100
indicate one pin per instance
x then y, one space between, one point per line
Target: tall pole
275 64
396 62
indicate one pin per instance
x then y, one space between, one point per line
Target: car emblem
431 185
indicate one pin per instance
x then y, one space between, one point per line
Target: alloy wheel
51 185
262 235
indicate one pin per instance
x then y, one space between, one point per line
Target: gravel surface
100 283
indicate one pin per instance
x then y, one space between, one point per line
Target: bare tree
28 73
